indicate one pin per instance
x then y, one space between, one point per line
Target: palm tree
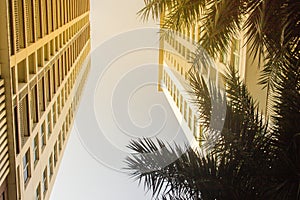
227 171
249 160
253 158
272 28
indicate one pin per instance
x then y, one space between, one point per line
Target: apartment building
175 61
44 47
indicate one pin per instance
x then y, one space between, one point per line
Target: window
50 166
59 76
54 78
62 97
45 181
200 132
59 142
16 128
180 103
36 149
185 110
174 92
38 192
190 122
52 50
11 28
58 104
22 71
42 94
48 85
178 99
24 122
54 113
38 18
49 128
30 21
26 167
13 79
34 105
66 92
43 135
235 55
195 127
40 57
63 134
19 24
32 63
55 154
45 17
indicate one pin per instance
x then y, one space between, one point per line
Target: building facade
175 61
44 46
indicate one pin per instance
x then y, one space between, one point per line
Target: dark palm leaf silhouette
272 28
251 157
231 169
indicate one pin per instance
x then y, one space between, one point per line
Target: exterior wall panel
41 79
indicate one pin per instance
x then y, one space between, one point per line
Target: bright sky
120 102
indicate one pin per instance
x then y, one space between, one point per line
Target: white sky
121 99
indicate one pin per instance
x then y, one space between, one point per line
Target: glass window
180 103
38 192
43 135
59 142
36 149
24 117
54 113
16 129
50 166
58 104
190 119
55 154
42 94
45 181
49 128
34 105
185 110
26 167
235 56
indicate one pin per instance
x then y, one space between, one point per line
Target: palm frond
188 177
286 132
154 8
202 99
178 14
221 23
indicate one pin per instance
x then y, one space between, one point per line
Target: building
43 46
175 57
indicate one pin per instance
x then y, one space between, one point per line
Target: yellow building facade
175 61
43 48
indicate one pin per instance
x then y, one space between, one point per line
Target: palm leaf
221 23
